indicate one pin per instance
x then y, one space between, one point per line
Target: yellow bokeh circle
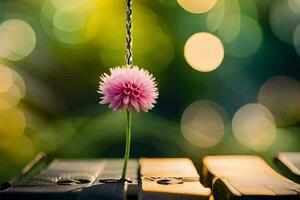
281 94
17 39
197 6
253 126
202 123
204 52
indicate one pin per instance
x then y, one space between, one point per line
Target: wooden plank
250 177
170 178
106 185
77 179
291 160
62 179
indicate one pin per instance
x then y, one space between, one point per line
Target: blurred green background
52 53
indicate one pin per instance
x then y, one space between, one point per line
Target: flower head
128 87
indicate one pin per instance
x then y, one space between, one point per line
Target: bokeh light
216 16
202 123
6 80
225 20
253 126
281 94
294 6
248 41
230 28
283 20
197 6
19 82
71 22
10 98
13 143
17 39
13 88
204 52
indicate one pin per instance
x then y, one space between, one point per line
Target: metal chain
128 55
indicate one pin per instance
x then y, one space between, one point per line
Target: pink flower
128 87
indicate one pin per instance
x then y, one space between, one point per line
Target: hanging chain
129 32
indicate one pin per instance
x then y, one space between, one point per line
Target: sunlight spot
12 87
17 39
283 21
6 80
281 94
294 6
202 123
204 52
71 22
248 41
216 16
253 126
229 28
197 6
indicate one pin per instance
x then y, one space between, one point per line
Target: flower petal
127 87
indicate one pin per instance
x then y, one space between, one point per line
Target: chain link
128 55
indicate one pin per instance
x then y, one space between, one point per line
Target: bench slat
170 178
291 160
235 177
119 190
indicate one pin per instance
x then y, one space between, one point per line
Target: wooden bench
231 177
246 177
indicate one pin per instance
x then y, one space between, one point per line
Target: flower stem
127 148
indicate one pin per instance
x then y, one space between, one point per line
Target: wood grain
170 178
250 177
291 160
77 179
118 190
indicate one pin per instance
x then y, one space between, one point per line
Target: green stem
127 148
